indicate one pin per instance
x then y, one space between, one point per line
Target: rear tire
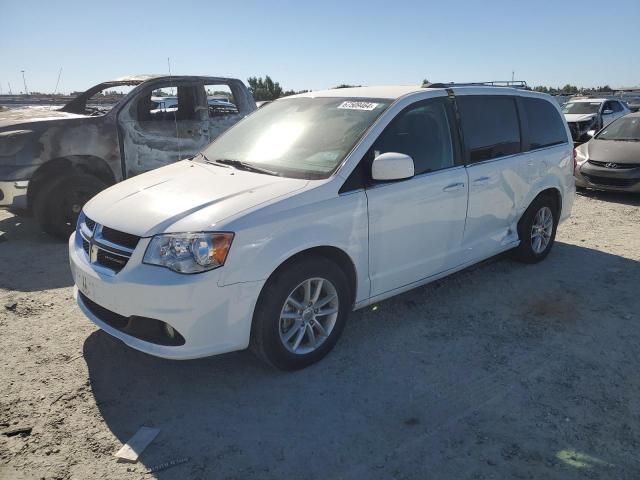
537 230
57 205
294 327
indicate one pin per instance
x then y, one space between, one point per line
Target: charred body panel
38 147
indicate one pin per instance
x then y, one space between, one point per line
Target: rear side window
490 126
545 127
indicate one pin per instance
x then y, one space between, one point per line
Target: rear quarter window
545 128
490 126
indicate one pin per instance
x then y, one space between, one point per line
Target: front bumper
611 179
212 319
13 194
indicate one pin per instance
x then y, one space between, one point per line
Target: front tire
301 313
537 230
57 205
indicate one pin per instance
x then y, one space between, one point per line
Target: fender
340 222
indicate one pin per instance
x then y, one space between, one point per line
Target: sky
314 45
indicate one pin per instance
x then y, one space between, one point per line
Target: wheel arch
334 254
551 192
85 164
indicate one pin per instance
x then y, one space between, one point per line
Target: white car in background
586 116
318 204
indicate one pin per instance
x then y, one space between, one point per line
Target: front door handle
481 181
453 187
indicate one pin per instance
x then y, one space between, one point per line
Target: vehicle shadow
631 199
396 392
30 259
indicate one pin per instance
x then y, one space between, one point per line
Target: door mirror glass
392 166
607 112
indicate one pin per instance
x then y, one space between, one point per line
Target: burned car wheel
57 206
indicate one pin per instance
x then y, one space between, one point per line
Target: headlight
189 252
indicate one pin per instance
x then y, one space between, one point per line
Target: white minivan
318 204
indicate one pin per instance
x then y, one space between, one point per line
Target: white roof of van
393 92
382 91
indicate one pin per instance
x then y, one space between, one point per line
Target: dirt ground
500 371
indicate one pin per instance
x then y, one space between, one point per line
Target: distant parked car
611 159
53 161
586 116
318 204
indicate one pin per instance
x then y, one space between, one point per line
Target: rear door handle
481 181
453 187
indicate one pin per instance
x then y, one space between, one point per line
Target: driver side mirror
607 112
392 166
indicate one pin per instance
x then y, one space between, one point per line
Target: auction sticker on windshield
358 105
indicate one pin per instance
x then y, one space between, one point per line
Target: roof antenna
175 112
56 89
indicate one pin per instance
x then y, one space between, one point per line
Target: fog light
170 331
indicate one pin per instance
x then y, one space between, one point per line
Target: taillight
575 161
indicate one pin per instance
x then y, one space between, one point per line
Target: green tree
568 88
265 89
344 85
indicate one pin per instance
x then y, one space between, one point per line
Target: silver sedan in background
611 159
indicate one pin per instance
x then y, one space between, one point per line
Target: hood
579 117
613 151
19 116
186 196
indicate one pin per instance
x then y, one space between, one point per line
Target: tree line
266 89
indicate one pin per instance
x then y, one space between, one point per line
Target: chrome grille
619 166
105 246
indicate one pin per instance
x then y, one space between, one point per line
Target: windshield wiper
240 165
211 162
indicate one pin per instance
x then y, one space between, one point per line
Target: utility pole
9 88
24 80
513 75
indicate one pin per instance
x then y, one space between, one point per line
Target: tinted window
490 126
616 106
545 125
422 132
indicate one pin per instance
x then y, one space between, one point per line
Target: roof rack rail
495 83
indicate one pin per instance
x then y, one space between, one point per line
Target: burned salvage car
53 161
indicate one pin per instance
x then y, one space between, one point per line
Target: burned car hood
185 196
578 117
613 151
20 116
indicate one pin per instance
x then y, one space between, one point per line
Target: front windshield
299 137
625 128
581 107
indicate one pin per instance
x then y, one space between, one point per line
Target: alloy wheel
308 315
541 230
